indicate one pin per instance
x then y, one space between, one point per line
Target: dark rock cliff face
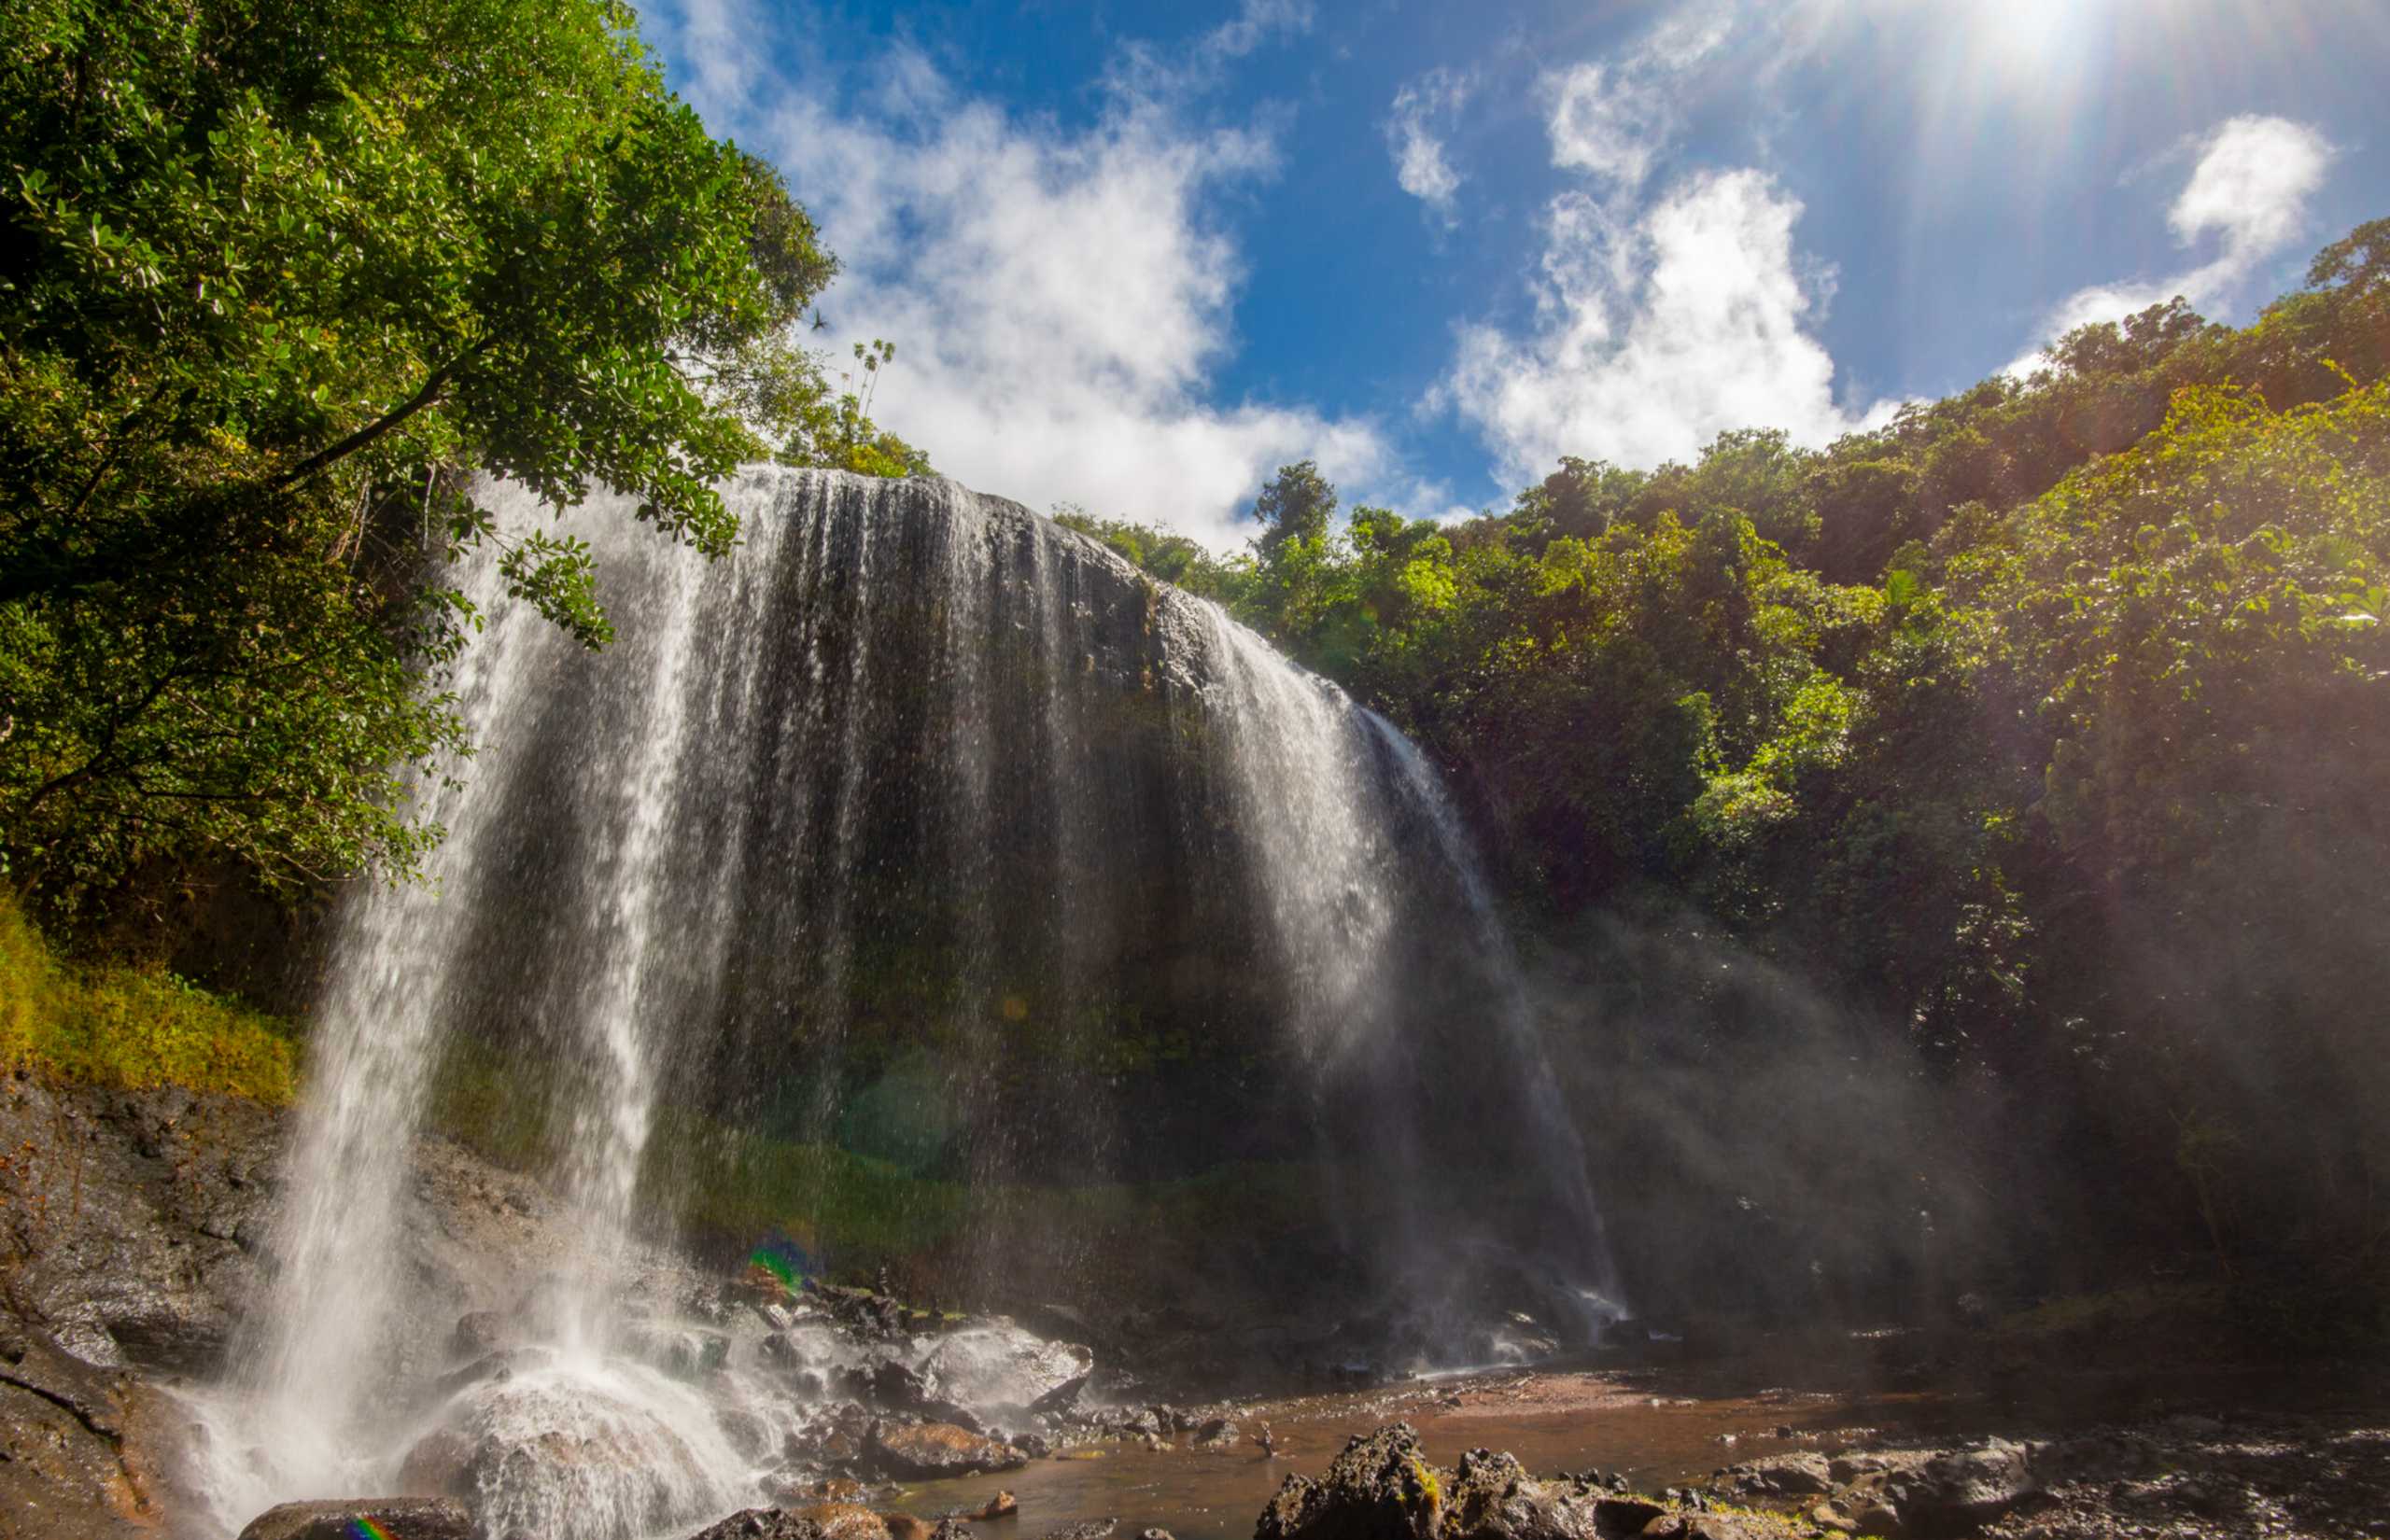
131 1220
129 1227
133 1233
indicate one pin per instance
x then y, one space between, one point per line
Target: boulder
1959 1492
478 1334
761 1524
1002 1505
1218 1434
1879 1518
997 1365
931 1451
1618 1517
439 1465
853 1521
1790 1476
340 1519
1492 1498
1380 1487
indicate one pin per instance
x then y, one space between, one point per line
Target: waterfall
920 838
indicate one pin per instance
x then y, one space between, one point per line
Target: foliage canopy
276 282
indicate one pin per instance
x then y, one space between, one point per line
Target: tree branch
334 454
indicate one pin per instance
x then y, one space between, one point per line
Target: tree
1293 554
279 283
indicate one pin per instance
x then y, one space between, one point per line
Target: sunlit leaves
278 281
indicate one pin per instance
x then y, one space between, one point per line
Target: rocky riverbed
135 1231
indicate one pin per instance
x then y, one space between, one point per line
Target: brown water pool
1553 1422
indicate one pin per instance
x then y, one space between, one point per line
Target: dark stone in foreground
762 1524
1616 1517
1380 1487
1092 1529
404 1518
1959 1492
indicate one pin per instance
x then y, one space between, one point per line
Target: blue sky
1134 258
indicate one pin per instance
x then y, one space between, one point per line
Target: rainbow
778 1265
362 1527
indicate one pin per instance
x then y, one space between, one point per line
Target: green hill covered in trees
1956 851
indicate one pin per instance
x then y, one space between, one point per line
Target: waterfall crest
924 839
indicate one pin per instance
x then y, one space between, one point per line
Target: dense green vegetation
129 1027
2026 755
273 282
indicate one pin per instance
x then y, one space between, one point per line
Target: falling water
920 828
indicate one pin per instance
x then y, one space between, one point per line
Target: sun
2030 35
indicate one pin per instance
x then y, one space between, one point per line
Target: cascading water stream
918 843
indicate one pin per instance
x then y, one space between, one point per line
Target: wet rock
1002 1505
851 1521
439 1465
1490 1497
1790 1476
1957 1493
745 1430
761 1524
1616 1517
931 1451
1380 1486
1062 1398
411 1518
1092 1529
1218 1434
1156 1535
998 1365
128 1202
893 1385
2107 1456
478 1334
1710 1526
490 1366
1036 1446
1880 1518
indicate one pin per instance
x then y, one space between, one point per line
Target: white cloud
1606 121
1614 117
1140 71
1654 332
1420 110
1662 316
1059 297
2249 188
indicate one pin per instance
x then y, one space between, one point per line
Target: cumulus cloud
2249 188
1662 317
1421 112
1059 297
1654 333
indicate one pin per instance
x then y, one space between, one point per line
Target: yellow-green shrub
115 1025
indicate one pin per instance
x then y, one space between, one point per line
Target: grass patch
106 1024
